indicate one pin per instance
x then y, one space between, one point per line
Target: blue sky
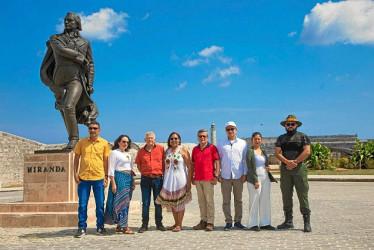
168 66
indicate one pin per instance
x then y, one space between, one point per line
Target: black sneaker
143 229
80 233
255 228
239 225
161 228
101 231
268 227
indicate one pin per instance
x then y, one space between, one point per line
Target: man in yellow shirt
93 152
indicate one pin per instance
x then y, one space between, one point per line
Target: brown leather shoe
209 227
202 225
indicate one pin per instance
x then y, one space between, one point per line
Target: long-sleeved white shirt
232 156
119 161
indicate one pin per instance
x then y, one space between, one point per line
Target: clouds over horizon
104 25
213 56
347 22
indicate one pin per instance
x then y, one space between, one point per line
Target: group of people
169 175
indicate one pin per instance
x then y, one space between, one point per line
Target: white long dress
174 189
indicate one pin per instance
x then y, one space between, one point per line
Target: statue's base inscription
48 177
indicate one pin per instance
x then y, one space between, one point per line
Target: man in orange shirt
150 162
92 152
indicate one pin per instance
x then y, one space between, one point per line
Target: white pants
259 200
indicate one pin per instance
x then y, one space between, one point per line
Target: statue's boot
71 126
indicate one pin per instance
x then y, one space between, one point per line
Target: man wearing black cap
292 149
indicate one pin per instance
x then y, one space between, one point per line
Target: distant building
343 144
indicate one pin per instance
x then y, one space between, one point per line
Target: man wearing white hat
232 151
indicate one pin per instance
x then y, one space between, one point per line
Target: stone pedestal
49 178
50 197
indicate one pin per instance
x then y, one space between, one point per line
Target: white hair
148 133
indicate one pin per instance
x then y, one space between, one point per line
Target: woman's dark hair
256 133
174 133
115 144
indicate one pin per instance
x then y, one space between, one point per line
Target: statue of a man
68 70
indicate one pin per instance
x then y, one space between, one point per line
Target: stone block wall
12 149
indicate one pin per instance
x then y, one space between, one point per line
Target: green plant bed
342 172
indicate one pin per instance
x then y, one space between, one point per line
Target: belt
126 172
153 176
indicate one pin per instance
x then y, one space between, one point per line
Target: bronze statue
68 70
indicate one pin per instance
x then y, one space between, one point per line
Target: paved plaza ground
342 217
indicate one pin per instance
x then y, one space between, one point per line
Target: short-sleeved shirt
92 158
204 162
292 145
150 163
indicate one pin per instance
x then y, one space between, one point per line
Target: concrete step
39 219
47 214
19 207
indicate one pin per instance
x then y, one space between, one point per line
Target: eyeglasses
92 128
174 139
203 136
290 124
125 142
230 129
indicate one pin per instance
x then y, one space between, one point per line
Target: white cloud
225 84
181 85
195 62
340 78
103 25
211 77
229 71
221 74
224 60
292 34
208 52
146 16
250 60
349 22
174 56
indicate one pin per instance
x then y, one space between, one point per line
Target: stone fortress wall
337 143
13 148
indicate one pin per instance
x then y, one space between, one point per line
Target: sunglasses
174 139
125 142
230 129
92 128
203 136
290 124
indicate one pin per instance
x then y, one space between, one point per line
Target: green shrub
331 164
361 153
369 163
318 157
344 163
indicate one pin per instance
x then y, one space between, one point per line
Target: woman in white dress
121 185
258 183
176 189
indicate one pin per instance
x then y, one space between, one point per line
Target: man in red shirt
205 171
150 162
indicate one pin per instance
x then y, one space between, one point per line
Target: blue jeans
146 185
84 190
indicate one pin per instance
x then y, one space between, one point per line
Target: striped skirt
117 206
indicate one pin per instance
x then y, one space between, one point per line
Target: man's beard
292 132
